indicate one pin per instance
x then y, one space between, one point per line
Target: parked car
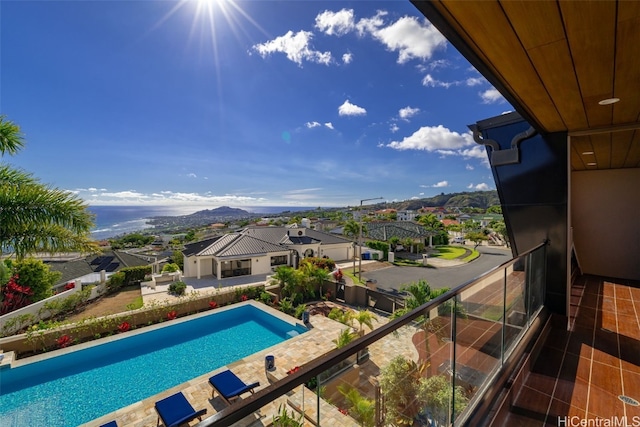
458 240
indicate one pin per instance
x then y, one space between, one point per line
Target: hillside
473 199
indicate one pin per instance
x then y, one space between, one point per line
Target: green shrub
35 274
135 275
177 288
170 268
115 282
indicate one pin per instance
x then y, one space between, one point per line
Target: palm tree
288 278
364 317
421 293
313 276
345 337
36 217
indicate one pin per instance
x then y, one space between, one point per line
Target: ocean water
114 221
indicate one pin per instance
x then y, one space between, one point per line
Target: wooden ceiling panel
482 21
547 59
627 79
601 143
539 27
590 28
555 60
536 23
580 147
620 147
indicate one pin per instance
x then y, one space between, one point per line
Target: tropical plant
286 306
364 317
439 393
36 274
340 315
36 217
288 278
363 410
170 268
177 288
421 293
284 419
345 337
400 383
351 229
476 237
299 310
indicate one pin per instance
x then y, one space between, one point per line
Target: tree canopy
36 217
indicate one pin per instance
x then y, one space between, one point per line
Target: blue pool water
80 386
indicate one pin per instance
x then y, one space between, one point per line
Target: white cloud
349 109
311 125
474 81
347 58
394 128
409 37
469 167
429 81
329 125
192 175
335 23
434 138
371 25
480 187
296 47
407 112
441 184
477 151
491 96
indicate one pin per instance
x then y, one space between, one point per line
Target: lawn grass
352 273
449 252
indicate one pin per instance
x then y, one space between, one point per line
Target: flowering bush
14 295
69 286
213 304
124 327
338 275
172 315
293 370
64 341
244 298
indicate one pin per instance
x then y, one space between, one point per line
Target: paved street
441 277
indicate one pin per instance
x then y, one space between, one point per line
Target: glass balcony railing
430 367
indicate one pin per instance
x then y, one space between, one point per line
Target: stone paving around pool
294 352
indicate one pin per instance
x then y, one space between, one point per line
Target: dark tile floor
590 373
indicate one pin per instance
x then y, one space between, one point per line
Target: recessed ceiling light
592 164
587 153
608 101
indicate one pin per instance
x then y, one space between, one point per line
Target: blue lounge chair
229 386
110 424
175 410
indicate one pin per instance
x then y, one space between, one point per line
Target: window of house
278 260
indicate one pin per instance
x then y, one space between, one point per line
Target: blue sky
248 103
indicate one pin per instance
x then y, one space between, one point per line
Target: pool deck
293 352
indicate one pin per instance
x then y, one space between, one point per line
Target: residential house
406 215
259 250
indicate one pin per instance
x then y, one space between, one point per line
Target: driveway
393 277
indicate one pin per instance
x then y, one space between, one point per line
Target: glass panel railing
428 367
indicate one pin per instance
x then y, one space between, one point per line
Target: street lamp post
360 238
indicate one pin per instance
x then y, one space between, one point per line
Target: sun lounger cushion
229 386
110 424
175 410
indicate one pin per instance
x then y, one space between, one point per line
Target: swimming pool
79 386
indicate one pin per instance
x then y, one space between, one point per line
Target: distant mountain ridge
471 199
222 211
